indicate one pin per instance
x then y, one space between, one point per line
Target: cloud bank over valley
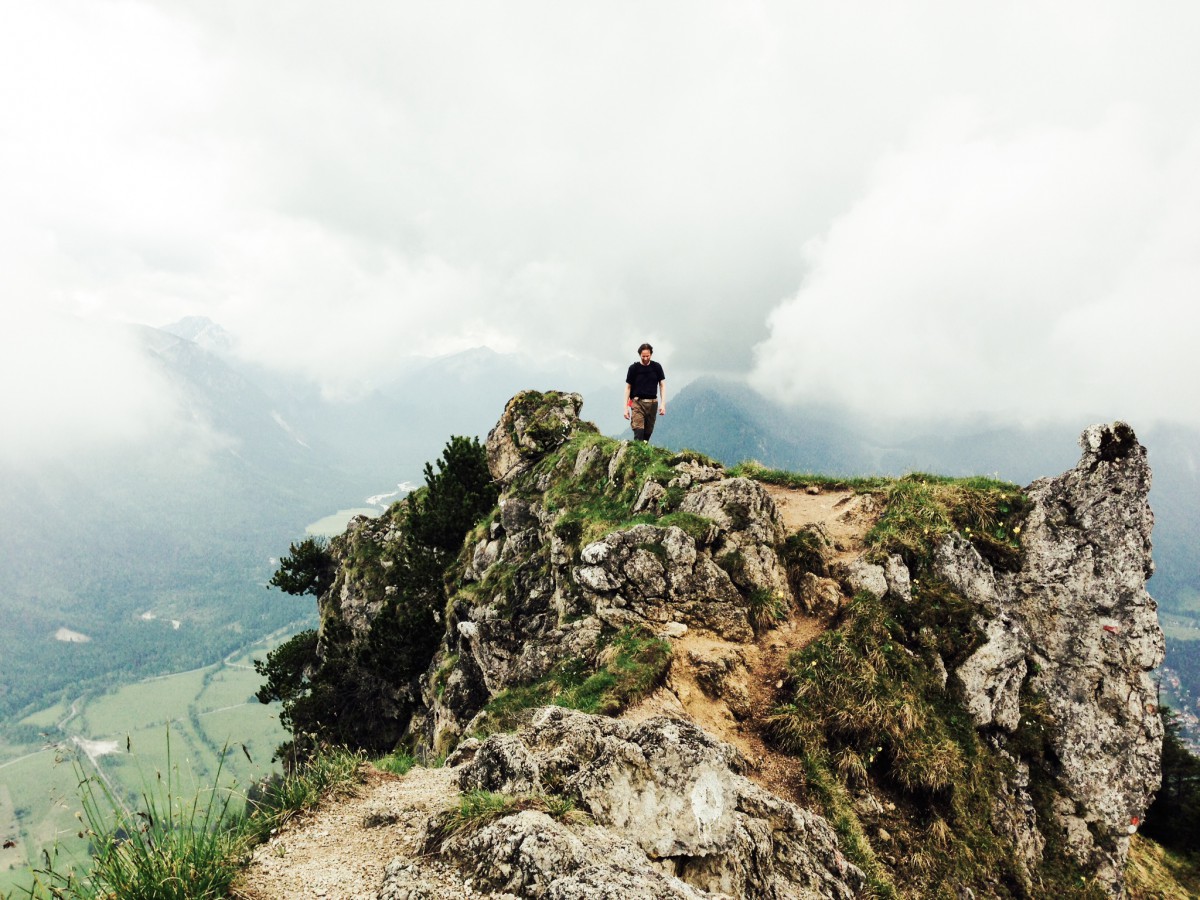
930 212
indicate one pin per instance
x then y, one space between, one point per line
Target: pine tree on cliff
324 696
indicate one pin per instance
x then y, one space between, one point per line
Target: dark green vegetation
216 612
307 569
1174 818
325 697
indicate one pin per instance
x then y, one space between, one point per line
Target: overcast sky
919 208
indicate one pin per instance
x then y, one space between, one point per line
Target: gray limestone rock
898 578
1076 627
1014 814
992 676
749 526
860 575
696 472
956 560
673 792
819 596
502 764
737 505
648 499
1087 556
658 575
533 424
531 855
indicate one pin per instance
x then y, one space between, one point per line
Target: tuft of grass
180 841
766 608
783 478
442 675
326 771
835 804
804 551
177 842
477 809
939 621
919 509
863 708
398 763
1155 872
700 529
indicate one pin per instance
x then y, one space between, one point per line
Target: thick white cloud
1042 273
346 186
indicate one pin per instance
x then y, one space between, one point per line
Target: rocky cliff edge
603 557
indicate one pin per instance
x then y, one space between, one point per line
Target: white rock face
861 575
656 575
1087 558
1076 624
992 677
667 795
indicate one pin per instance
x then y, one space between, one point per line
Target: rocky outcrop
672 817
531 426
539 588
651 575
1071 638
360 591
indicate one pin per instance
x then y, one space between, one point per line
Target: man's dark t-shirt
643 380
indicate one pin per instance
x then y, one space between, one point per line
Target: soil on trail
736 710
845 516
342 850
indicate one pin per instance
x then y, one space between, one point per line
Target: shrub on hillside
308 568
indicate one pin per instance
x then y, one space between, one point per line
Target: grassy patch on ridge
630 666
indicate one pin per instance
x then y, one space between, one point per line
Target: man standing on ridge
645 392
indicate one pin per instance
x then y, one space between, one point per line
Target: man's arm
662 397
627 386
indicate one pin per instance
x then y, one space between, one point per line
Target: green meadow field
178 726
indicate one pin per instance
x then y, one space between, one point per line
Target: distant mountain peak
204 333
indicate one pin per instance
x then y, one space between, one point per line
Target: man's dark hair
645 347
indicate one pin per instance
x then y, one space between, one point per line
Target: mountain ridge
603 556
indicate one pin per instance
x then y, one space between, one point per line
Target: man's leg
637 420
649 414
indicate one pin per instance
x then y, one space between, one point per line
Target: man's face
645 354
